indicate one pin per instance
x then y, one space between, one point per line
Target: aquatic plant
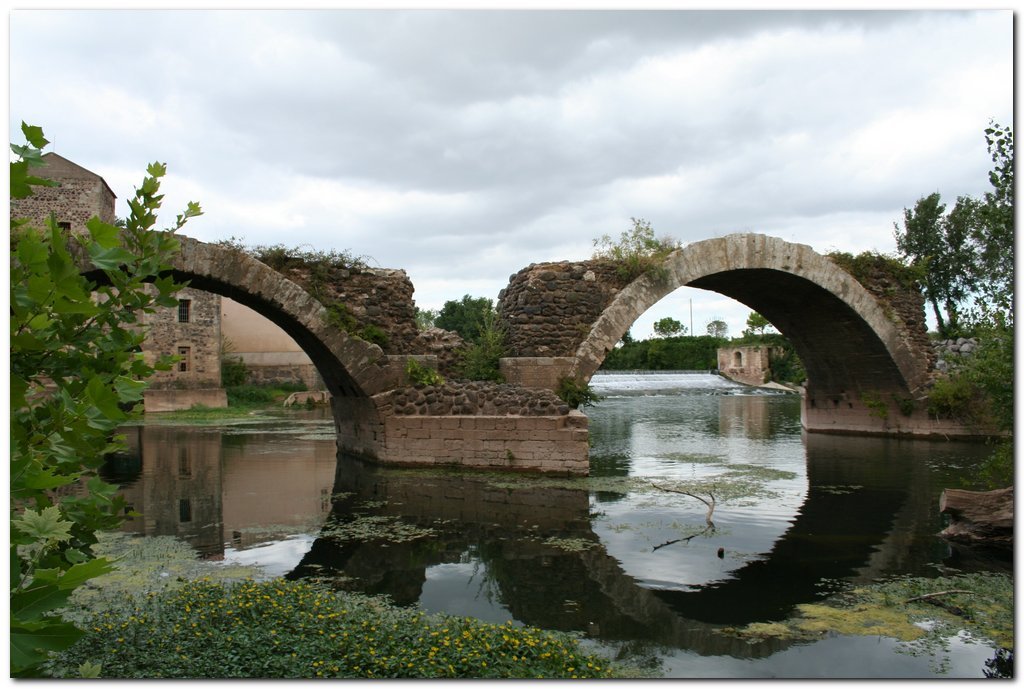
281 629
922 614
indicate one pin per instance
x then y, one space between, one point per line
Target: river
621 557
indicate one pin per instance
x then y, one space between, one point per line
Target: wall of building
750 365
195 336
270 355
81 195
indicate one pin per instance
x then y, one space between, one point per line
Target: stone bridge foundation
552 444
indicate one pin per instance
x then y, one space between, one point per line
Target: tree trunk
981 518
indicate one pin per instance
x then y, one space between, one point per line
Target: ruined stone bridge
864 347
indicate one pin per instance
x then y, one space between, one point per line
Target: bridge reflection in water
869 510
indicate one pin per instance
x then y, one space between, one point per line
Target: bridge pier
550 443
880 414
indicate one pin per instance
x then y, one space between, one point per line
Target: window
184 359
184 463
737 359
184 310
184 510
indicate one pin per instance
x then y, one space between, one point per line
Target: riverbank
164 614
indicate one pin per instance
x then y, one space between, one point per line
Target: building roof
58 167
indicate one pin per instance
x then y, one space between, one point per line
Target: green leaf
82 572
34 135
30 643
130 390
107 236
103 398
46 525
31 604
110 259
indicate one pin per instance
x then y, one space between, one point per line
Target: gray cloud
470 143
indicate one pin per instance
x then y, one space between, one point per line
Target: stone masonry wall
80 196
200 335
903 304
549 308
477 425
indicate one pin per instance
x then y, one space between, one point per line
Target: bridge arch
849 343
349 366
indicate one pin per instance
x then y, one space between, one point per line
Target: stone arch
849 342
349 366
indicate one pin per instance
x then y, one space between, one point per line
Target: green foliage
637 252
668 327
255 396
481 358
786 366
576 393
869 265
281 629
954 398
425 318
340 317
717 328
418 374
233 371
374 334
665 354
936 243
993 235
756 325
77 373
877 406
468 317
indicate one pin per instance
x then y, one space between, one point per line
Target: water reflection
559 556
220 489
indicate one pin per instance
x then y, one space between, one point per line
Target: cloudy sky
463 145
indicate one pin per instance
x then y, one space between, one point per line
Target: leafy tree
669 327
938 243
993 234
76 375
481 358
717 327
467 316
637 252
756 325
425 318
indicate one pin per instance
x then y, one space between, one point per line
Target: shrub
481 359
576 393
953 398
232 371
637 252
418 374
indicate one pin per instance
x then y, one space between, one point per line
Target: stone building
750 365
190 330
81 195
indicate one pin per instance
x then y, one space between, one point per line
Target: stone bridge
864 347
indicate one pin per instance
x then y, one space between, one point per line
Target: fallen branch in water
928 596
710 504
709 527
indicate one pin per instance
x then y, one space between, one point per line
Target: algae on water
922 614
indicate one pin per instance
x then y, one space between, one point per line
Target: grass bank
243 400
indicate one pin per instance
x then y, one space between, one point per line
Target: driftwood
979 518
